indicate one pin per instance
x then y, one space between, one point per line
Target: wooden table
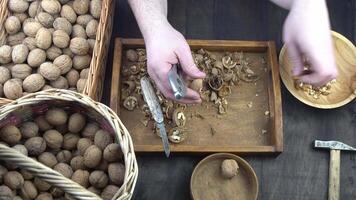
299 172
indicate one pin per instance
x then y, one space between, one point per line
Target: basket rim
122 135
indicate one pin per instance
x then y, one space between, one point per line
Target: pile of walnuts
67 143
48 45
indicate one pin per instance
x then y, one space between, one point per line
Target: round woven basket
55 178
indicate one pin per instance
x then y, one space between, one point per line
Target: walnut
32 10
229 168
81 6
53 138
41 185
26 174
30 42
81 84
95 8
13 180
64 63
48 159
31 28
15 39
21 148
77 163
42 123
68 13
83 20
68 52
60 38
92 28
61 23
84 73
45 19
64 156
51 6
56 116
21 16
10 134
3 171
36 57
29 190
70 141
33 83
43 38
81 177
92 156
112 153
49 71
29 129
21 71
89 130
5 54
79 31
4 74
12 25
79 46
44 196
18 6
98 179
19 53
35 146
109 192
12 89
102 139
72 76
131 55
117 173
81 62
6 193
53 52
64 169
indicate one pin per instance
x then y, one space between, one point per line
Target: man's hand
307 33
165 47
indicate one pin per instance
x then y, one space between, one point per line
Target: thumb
188 66
296 59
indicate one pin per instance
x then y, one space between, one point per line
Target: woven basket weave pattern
121 134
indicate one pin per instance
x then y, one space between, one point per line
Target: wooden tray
241 129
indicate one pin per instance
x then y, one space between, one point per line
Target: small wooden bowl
207 183
342 92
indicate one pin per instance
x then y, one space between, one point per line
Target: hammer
334 167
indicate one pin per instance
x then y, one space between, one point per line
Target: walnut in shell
36 57
12 25
10 134
33 83
53 138
79 46
64 63
49 71
29 190
112 152
32 9
95 8
29 129
56 116
30 42
15 39
51 6
81 62
61 39
6 193
18 6
81 84
79 31
19 53
83 20
102 139
64 156
4 74
92 156
45 19
81 7
31 28
109 192
68 13
53 52
41 185
48 159
64 169
72 76
21 71
43 38
98 179
35 146
5 54
13 180
229 168
81 177
62 23
12 89
92 28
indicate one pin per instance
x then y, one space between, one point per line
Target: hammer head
333 145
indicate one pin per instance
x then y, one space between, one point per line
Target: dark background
300 172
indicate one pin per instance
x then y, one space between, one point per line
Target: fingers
296 59
159 73
323 71
186 60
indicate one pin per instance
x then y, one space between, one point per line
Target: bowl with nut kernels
59 144
334 94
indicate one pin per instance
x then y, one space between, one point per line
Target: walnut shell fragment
130 103
177 135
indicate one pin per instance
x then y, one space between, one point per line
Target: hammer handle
334 175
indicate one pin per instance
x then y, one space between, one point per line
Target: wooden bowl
343 91
207 183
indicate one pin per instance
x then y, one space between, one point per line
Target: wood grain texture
238 131
334 175
343 91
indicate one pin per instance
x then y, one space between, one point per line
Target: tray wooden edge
273 90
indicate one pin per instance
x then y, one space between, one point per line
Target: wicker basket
54 178
94 85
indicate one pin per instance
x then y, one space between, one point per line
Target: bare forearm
150 14
288 4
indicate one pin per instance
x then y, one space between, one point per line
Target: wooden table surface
300 172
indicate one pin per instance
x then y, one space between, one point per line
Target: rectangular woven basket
94 85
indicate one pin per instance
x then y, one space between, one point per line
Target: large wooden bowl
342 92
207 182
